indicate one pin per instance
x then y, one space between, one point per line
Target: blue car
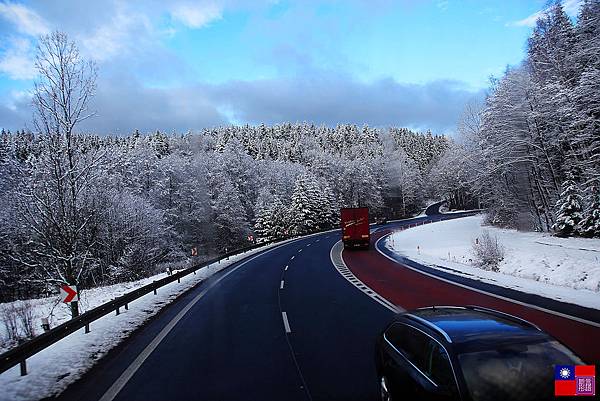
467 353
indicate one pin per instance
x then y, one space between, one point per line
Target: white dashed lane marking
338 262
281 285
286 267
286 324
293 257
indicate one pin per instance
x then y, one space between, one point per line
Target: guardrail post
87 328
178 279
117 310
126 306
23 365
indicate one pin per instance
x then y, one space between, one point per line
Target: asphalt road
234 343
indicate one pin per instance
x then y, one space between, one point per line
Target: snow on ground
53 369
565 269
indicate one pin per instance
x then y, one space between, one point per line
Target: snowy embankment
565 269
53 369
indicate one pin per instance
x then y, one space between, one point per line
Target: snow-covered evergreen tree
263 227
589 226
569 210
304 208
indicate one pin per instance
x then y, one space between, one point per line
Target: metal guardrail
20 353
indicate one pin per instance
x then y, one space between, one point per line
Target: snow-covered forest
531 152
90 210
145 200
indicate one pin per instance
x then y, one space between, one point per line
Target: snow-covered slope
566 269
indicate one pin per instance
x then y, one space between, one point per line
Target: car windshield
515 372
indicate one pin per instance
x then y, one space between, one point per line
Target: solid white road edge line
338 263
542 309
118 385
286 324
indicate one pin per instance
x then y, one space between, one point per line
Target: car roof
475 327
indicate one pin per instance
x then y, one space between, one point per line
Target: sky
181 65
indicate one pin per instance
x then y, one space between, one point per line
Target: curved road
282 325
232 344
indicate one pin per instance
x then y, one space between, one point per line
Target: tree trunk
74 309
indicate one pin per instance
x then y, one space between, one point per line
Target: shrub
488 252
19 321
26 315
8 314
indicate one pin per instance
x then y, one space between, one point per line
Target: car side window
439 369
424 352
410 342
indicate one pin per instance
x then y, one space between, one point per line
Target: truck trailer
355 227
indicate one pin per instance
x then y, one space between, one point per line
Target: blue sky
185 65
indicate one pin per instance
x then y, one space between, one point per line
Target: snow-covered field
59 365
566 269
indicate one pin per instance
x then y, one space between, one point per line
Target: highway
287 325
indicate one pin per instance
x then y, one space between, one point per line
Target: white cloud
197 15
17 98
122 33
571 7
17 61
26 20
529 21
442 5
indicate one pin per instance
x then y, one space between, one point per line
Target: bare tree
58 205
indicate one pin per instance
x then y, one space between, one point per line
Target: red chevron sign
69 294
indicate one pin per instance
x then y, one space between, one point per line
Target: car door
395 365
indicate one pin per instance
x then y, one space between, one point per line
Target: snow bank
61 364
566 269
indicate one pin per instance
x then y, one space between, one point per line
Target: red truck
355 227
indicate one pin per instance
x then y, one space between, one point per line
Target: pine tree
263 226
569 207
590 225
279 221
305 205
587 47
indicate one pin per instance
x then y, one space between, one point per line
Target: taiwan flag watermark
574 380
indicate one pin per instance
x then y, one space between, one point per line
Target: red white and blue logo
573 380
